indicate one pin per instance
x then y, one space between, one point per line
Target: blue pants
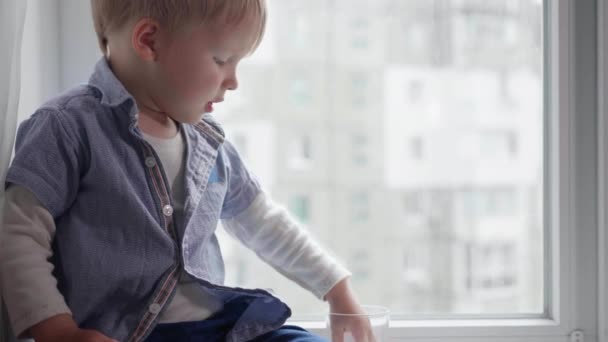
215 328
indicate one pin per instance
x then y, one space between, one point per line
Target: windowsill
451 323
518 329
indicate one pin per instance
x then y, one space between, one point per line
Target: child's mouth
209 107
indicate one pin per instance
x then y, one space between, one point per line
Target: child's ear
145 39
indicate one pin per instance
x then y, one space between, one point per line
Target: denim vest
118 249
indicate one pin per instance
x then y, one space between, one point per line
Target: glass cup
377 316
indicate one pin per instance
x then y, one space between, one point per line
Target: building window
414 91
300 152
300 92
412 203
359 150
498 144
360 261
359 206
495 266
299 205
360 31
500 202
360 43
359 89
415 147
300 31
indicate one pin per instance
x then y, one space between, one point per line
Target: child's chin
194 119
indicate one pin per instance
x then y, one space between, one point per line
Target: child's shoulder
71 114
77 109
79 99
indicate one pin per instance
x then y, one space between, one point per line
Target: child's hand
82 335
357 326
62 328
79 335
342 300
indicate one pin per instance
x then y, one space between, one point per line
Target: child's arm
28 286
276 237
267 228
342 300
62 328
271 232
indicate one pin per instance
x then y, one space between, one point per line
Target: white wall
47 70
40 74
79 48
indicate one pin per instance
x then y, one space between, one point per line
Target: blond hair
112 15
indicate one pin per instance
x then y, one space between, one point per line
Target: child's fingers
94 336
370 336
360 333
337 334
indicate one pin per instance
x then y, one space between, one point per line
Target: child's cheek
183 82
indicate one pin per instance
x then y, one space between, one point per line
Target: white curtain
12 18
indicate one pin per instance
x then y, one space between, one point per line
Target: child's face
197 67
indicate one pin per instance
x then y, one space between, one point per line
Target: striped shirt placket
205 129
167 214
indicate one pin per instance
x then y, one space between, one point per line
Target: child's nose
231 83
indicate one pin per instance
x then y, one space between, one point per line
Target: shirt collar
113 92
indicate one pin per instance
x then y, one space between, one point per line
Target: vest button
154 308
150 162
168 210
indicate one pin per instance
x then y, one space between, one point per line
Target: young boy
117 187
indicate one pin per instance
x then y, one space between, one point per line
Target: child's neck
156 124
150 120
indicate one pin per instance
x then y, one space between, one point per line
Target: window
415 267
451 198
301 31
359 89
300 151
491 202
499 145
415 148
359 264
360 27
300 92
300 207
359 206
412 203
414 91
495 267
360 150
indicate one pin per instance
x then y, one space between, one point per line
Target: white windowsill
529 330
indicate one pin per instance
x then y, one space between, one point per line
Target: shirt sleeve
269 230
47 160
28 287
242 185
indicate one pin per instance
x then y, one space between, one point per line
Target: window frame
571 228
602 65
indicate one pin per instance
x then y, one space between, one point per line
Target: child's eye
219 61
